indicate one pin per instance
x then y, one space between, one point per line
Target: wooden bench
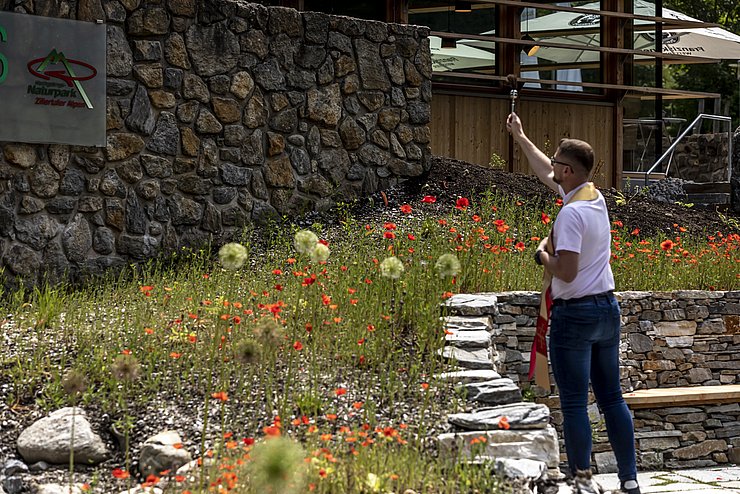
684 396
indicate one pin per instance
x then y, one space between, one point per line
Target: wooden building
585 69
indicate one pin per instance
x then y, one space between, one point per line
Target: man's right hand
514 126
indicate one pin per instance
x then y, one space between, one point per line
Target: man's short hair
578 150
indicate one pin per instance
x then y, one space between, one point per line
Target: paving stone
468 339
475 359
495 392
518 415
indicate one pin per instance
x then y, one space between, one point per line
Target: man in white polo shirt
585 320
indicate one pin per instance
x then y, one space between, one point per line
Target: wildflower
391 267
545 219
126 368
389 235
278 466
247 351
297 346
232 255
666 245
503 423
405 209
340 391
447 265
220 395
429 199
119 473
520 246
319 253
462 203
305 241
74 383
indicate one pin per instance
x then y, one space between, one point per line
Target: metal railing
677 140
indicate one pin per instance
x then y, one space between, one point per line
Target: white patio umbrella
458 58
708 42
583 30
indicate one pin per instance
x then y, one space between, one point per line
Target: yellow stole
538 366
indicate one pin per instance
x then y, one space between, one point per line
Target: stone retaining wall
219 114
701 158
669 339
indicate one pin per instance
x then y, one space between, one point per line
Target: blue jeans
584 343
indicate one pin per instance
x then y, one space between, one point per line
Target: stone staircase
514 436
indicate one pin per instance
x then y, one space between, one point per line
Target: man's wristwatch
537 258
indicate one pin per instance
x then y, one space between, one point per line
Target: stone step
524 415
468 323
468 376
472 304
468 339
533 444
469 359
500 391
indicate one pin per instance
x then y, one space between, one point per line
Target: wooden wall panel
472 128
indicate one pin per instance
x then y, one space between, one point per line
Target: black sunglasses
553 161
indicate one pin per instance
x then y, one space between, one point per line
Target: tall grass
331 353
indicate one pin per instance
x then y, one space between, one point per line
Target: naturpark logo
71 72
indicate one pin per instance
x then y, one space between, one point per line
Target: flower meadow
304 360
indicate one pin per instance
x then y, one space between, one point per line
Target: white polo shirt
583 227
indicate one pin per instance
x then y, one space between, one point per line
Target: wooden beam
666 21
634 89
694 395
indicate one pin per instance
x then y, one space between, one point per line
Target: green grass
332 354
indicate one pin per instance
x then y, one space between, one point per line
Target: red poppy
462 203
340 391
389 226
119 473
389 235
429 199
520 246
405 209
298 346
666 245
220 395
411 237
545 219
503 423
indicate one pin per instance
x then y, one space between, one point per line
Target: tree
720 77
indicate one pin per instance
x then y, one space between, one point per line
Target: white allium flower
305 241
391 267
320 253
232 256
447 265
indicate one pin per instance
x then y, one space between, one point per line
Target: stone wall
701 158
220 113
686 338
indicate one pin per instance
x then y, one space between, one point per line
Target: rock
214 49
473 304
536 444
700 449
467 323
21 155
48 439
141 118
519 416
166 137
77 239
372 69
468 376
468 339
13 484
476 359
241 85
175 51
325 104
120 60
159 453
59 489
520 468
496 391
14 466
